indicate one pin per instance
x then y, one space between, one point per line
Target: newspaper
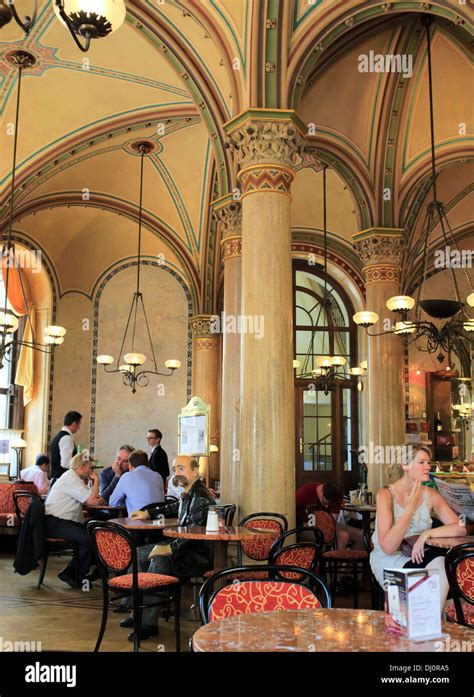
458 496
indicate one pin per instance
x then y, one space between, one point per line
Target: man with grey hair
63 512
109 477
182 558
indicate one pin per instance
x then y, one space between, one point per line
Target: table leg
220 555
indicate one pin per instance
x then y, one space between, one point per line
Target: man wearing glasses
109 477
158 460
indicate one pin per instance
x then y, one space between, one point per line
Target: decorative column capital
204 334
381 251
267 144
228 212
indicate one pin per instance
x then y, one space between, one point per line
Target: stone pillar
206 361
266 145
229 214
381 250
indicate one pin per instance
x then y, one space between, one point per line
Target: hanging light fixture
130 369
88 19
329 366
429 337
21 60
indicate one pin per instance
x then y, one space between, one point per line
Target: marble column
206 365
266 145
229 214
381 250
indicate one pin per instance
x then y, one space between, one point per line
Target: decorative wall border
95 339
25 242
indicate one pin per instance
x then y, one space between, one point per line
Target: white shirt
66 497
66 448
36 475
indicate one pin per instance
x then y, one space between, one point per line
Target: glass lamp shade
470 300
54 331
173 364
213 449
366 318
400 303
125 368
338 360
135 358
468 326
356 371
404 328
104 359
8 322
363 365
296 364
323 361
316 373
103 17
18 443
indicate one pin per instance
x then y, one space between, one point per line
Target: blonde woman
404 509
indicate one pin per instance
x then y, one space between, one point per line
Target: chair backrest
305 554
113 545
324 522
229 512
459 564
21 500
259 549
249 596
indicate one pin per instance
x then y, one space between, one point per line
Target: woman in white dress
405 509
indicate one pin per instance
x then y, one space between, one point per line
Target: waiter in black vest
63 447
158 460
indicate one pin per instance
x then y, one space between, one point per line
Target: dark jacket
108 482
158 462
189 557
31 540
56 469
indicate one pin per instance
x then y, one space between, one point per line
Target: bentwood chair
459 564
259 549
116 552
56 546
337 560
275 592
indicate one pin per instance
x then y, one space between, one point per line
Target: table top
198 532
333 630
360 509
133 524
448 542
105 507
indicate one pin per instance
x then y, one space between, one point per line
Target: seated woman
405 509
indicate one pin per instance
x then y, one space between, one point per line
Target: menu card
412 603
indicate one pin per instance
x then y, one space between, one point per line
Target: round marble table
144 525
333 630
220 538
449 542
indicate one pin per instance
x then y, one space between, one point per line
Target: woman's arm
452 525
390 534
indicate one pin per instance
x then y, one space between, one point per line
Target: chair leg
76 559
43 564
177 612
105 611
333 584
137 621
355 585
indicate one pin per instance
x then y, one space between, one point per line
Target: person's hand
139 515
116 468
418 551
414 498
94 476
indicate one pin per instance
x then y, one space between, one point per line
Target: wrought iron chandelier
54 335
87 19
429 337
132 375
330 368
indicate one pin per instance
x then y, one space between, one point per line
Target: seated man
109 477
138 487
328 498
38 474
182 558
64 517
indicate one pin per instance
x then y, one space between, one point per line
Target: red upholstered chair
338 560
116 552
56 546
459 564
267 595
8 517
258 550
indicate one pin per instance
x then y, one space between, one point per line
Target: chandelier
54 335
330 366
88 19
459 327
132 374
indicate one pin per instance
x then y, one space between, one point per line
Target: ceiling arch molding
122 208
321 34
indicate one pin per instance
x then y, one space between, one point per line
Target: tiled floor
64 619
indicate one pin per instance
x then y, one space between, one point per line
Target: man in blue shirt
109 477
138 487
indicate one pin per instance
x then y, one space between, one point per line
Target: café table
140 527
320 630
221 538
449 542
